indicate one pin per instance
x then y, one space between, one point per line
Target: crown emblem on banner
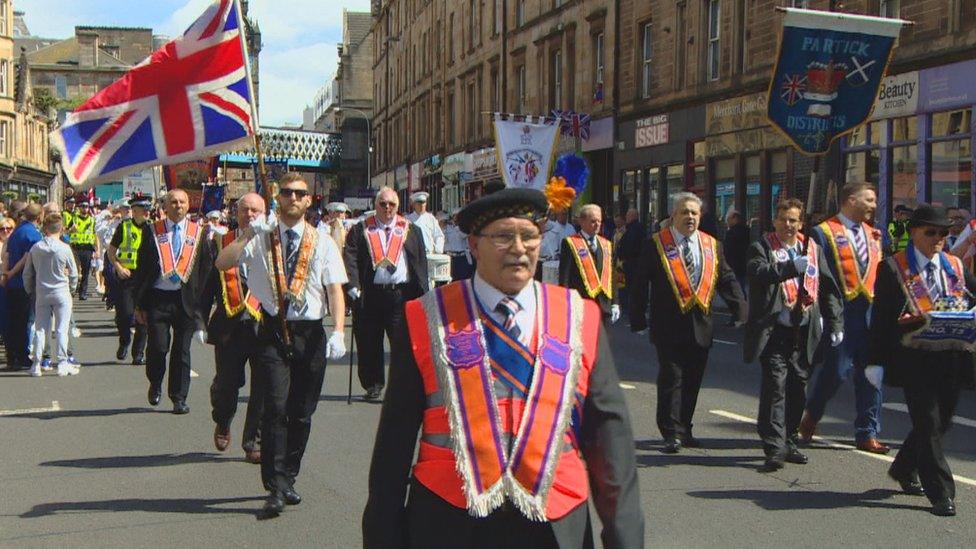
824 79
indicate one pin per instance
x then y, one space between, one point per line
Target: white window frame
4 76
598 53
805 4
557 79
519 13
647 55
714 53
521 77
889 8
3 138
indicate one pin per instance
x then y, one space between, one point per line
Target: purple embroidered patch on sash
464 349
554 354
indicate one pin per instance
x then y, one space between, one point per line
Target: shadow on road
63 414
706 444
698 460
790 500
175 505
157 460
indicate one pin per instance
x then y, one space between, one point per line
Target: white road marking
627 386
55 407
194 374
724 342
833 444
957 420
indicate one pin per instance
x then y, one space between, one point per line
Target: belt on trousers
456 254
391 287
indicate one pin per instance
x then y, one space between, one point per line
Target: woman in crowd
6 227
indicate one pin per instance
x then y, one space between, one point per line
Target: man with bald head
230 329
170 281
387 265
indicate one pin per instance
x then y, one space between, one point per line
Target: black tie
932 281
291 253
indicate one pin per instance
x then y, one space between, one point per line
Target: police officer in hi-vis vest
123 252
513 389
84 244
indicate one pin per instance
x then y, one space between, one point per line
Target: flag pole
275 250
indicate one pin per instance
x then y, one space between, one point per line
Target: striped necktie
860 245
509 308
689 258
932 281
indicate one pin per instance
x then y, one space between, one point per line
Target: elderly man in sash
512 386
231 329
292 364
911 285
685 268
386 260
854 250
586 263
793 298
170 282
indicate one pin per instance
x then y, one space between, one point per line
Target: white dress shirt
325 268
164 283
693 241
455 241
431 229
489 297
401 275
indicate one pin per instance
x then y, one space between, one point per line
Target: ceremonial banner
213 198
191 98
526 150
275 169
827 76
943 331
191 177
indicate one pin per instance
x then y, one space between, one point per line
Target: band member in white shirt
427 223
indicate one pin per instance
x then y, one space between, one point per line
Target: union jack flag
190 99
573 124
792 89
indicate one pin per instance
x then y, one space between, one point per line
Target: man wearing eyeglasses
586 263
910 285
512 386
387 264
291 371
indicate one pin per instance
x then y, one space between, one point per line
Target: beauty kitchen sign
897 96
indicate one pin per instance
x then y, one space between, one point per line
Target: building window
450 40
800 4
496 17
495 90
519 13
647 50
472 24
521 88
890 8
4 70
598 59
4 142
714 45
3 17
556 78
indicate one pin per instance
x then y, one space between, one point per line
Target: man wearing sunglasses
910 285
387 264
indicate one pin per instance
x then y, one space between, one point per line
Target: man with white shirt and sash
292 366
513 389
853 250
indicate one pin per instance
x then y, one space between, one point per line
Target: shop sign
897 96
654 130
453 165
947 87
601 134
485 163
140 182
736 114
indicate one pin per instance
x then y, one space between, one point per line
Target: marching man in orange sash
513 389
853 251
912 284
386 260
686 268
586 263
167 301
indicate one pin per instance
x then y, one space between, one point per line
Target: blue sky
300 38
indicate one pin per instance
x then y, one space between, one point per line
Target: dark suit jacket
766 301
570 275
668 324
359 264
885 333
606 443
219 327
148 271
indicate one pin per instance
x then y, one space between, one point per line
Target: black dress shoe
373 393
291 496
155 394
138 361
944 508
274 505
122 351
180 408
772 464
671 446
689 441
797 457
909 483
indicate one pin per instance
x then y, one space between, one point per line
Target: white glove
801 263
262 225
336 347
874 374
200 336
836 338
614 313
354 293
219 229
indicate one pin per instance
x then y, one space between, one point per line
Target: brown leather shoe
221 438
874 446
253 456
807 428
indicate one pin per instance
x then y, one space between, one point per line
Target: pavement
85 462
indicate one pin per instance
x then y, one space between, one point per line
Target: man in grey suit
793 298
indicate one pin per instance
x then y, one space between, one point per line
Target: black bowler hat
902 208
928 215
511 202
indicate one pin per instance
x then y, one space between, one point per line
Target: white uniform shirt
325 268
455 241
431 228
163 283
489 296
401 275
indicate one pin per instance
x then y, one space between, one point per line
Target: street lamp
369 139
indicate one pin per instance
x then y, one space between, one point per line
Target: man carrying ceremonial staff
586 263
685 267
513 388
386 260
853 250
793 298
912 284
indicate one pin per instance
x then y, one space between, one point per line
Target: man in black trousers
793 298
685 267
932 372
84 243
123 253
387 266
170 281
